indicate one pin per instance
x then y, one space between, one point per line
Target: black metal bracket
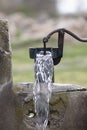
57 53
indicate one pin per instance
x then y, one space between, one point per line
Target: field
72 68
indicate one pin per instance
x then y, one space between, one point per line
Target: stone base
68 110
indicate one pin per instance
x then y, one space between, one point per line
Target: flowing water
42 88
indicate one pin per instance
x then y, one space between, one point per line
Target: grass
72 68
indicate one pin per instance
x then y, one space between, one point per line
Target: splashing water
42 88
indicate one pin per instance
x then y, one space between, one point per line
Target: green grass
72 69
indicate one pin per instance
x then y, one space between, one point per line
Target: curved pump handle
61 33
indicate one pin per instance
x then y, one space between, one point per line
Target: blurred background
31 20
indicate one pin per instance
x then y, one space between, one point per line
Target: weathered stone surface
68 111
76 113
11 112
8 109
5 53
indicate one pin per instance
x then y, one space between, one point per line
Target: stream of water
42 88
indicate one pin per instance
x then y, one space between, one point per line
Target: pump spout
58 51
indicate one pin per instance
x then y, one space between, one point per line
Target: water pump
57 53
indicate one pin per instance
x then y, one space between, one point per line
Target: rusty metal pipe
65 31
61 33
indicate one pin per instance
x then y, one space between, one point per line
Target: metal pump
57 53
